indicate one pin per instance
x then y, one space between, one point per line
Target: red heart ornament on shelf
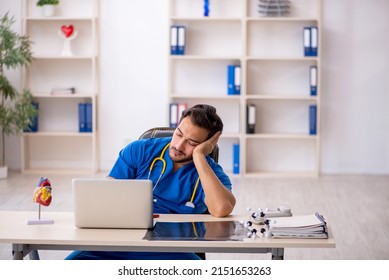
67 30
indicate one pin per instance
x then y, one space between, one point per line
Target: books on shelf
177 39
63 90
233 79
312 119
251 118
310 40
175 113
303 226
85 123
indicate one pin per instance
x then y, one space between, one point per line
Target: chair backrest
159 132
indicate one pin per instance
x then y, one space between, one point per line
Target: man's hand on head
207 146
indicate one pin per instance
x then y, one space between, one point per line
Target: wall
355 80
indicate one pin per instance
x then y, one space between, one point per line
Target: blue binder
235 158
88 117
307 41
312 119
314 41
313 80
173 40
231 79
181 41
81 117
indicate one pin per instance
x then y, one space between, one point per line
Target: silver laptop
110 203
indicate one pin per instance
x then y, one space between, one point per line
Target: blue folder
236 165
173 40
81 117
88 117
181 41
312 119
307 41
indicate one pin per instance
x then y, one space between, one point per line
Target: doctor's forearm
218 198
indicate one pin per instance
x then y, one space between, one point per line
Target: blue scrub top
174 189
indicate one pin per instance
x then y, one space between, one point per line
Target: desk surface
15 230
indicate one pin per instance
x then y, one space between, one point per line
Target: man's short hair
204 116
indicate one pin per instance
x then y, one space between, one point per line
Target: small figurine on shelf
42 196
68 33
206 8
48 6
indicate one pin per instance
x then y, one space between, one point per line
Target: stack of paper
305 226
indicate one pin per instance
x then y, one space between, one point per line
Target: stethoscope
160 158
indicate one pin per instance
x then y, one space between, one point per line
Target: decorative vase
48 10
3 172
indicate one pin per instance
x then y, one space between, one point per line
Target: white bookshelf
58 146
275 77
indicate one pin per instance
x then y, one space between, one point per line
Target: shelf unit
274 77
58 146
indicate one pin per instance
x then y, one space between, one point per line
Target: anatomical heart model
42 196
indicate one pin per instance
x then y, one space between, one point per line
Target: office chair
159 132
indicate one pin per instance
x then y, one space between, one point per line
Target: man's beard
179 159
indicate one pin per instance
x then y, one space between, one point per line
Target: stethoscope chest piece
190 204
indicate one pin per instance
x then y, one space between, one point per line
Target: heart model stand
68 37
42 196
39 220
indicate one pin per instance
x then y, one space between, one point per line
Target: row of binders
311 40
177 39
176 110
303 226
175 113
85 117
234 79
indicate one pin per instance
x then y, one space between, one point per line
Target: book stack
65 90
304 226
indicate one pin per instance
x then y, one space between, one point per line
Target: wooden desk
63 235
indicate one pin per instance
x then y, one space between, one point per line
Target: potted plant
48 6
16 109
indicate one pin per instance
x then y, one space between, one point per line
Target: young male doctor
186 180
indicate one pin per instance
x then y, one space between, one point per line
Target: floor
355 206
